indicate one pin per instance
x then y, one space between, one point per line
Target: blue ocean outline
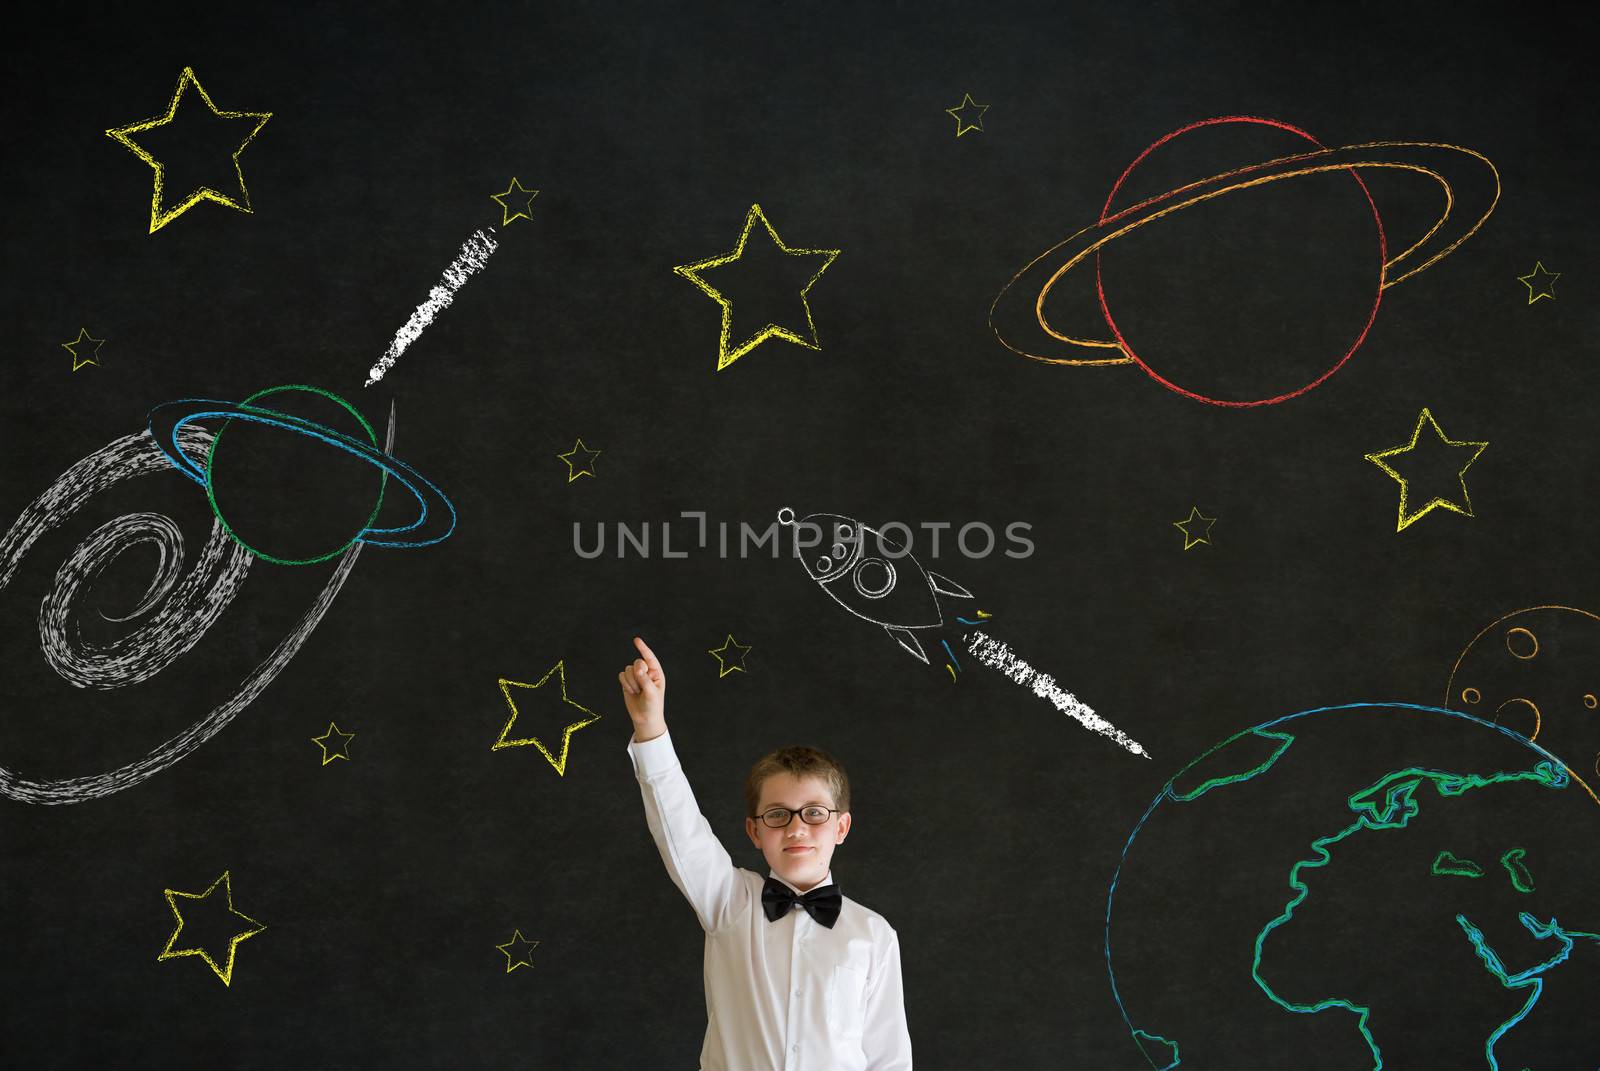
274 418
1558 771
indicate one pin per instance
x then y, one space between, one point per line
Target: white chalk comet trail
473 256
996 655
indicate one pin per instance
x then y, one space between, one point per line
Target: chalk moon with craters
1537 672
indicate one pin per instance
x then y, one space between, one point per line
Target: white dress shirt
790 994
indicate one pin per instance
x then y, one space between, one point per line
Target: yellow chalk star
1196 519
518 950
728 661
160 216
1537 285
338 749
172 952
965 116
515 195
559 672
584 465
79 360
1380 459
726 352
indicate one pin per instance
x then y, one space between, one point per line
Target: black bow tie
822 903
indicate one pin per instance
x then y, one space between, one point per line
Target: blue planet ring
1022 300
166 419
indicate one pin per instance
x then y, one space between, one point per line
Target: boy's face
799 854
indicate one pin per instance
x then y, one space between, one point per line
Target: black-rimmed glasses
811 815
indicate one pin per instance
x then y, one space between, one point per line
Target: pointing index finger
649 655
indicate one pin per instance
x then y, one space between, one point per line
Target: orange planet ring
1397 155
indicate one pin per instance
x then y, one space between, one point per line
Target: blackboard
1202 541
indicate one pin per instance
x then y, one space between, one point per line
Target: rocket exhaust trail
996 655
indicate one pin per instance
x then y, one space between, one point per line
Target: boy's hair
800 761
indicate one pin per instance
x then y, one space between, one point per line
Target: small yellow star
518 950
726 352
515 194
1406 516
338 749
559 672
72 348
160 216
728 661
225 973
1190 539
960 112
584 466
1536 284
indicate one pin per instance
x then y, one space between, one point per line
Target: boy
797 976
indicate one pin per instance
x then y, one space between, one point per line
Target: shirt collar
827 879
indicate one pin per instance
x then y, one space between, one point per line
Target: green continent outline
1390 803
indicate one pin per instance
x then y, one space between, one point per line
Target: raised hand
644 690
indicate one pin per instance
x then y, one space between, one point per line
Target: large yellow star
514 195
960 114
726 352
160 216
559 761
518 950
172 952
1540 282
78 361
334 744
1408 516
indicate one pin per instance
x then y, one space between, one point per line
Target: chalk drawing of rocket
871 575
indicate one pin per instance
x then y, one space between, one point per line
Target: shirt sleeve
886 1041
696 860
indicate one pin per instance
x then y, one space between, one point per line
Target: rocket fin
945 586
910 642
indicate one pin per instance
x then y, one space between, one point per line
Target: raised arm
696 860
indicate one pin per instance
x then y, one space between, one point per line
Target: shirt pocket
847 1002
